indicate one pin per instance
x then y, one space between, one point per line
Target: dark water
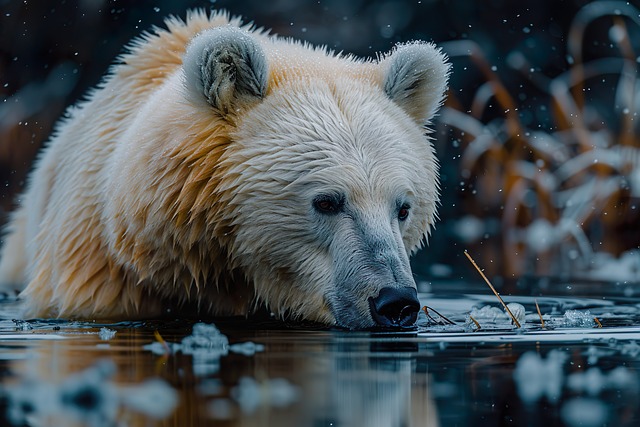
572 372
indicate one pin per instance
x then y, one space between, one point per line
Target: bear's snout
395 307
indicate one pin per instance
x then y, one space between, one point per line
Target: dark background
51 53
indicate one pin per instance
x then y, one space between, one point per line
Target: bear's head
329 181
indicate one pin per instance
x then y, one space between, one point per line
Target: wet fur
171 191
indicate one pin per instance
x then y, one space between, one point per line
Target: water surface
572 372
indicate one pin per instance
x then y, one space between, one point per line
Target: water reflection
375 383
242 374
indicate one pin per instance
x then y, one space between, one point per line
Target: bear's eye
328 204
403 212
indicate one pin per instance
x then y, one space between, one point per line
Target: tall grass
567 196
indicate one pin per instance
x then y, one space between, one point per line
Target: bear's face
338 187
331 183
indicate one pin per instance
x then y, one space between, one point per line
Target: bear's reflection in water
298 377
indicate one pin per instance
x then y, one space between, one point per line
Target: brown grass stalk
539 313
444 318
475 322
597 322
493 289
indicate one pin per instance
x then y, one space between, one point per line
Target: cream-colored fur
189 187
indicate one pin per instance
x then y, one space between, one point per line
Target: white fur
225 66
416 76
189 184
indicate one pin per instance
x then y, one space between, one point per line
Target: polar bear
219 170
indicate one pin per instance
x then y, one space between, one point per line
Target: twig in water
476 322
446 321
539 314
598 322
493 289
426 311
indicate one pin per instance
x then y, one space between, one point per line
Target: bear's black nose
395 307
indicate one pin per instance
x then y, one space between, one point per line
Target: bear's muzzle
395 307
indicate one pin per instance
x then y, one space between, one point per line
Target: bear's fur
218 169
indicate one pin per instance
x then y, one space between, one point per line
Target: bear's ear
415 77
226 67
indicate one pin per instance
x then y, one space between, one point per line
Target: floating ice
205 338
490 314
593 381
276 392
536 377
580 319
593 354
206 345
29 398
153 398
590 382
22 325
584 412
106 334
622 378
162 348
518 312
88 397
246 348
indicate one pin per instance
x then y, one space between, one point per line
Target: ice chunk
106 334
584 412
489 313
518 312
580 319
594 381
536 377
89 397
206 345
591 382
622 378
28 399
248 348
207 339
153 398
22 325
276 392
